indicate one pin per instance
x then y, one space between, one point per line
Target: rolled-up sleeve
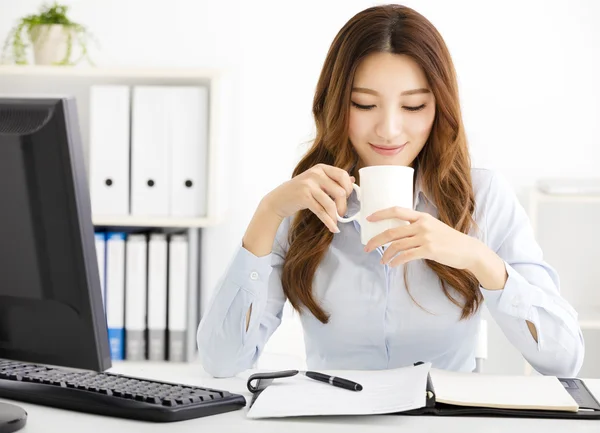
225 346
532 290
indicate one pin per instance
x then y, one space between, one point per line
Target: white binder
157 296
135 297
178 298
101 257
115 293
109 149
150 179
188 139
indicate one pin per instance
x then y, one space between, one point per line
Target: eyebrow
406 92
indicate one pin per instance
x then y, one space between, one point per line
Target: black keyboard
112 394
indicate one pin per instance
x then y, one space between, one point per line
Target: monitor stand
12 418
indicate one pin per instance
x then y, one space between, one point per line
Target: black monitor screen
51 307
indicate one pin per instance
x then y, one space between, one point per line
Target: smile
387 150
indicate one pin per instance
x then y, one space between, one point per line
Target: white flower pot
50 43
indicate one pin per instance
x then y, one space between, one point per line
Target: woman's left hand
424 238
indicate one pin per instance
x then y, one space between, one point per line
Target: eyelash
369 107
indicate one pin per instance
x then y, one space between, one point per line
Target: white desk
43 419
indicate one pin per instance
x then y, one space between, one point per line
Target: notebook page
508 392
384 391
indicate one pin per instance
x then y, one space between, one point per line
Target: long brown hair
444 161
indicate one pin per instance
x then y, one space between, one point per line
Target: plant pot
50 43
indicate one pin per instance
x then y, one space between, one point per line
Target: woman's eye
369 107
420 107
362 107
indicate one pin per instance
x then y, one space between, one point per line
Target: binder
100 242
135 297
188 143
109 149
178 298
157 296
150 156
589 407
576 403
115 293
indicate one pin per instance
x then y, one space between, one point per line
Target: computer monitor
51 309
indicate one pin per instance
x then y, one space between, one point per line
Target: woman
388 95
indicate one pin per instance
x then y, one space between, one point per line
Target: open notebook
422 390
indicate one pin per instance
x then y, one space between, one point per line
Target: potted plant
52 34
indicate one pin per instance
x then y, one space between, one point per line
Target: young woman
388 95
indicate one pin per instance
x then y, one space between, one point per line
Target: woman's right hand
323 189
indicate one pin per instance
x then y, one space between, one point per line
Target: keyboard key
169 402
153 400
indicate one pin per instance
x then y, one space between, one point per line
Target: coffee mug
381 187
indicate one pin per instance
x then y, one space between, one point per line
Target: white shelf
589 318
132 221
121 72
27 80
541 196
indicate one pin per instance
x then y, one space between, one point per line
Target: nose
389 126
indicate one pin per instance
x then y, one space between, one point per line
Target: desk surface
50 420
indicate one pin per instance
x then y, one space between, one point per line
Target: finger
408 255
399 247
340 176
331 187
390 235
324 208
336 192
327 203
322 214
402 213
340 204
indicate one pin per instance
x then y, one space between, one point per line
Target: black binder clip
265 379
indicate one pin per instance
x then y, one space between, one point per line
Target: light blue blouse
374 323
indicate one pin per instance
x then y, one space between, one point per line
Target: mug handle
357 214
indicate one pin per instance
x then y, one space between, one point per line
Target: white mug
381 187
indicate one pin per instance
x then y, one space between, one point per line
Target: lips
387 150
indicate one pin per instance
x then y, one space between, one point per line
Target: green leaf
16 44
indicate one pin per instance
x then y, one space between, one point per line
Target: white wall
527 72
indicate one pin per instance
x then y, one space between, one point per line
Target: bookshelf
27 81
166 222
580 208
110 72
76 81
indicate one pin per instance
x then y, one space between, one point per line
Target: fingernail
337 230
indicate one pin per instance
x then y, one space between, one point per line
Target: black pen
333 380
